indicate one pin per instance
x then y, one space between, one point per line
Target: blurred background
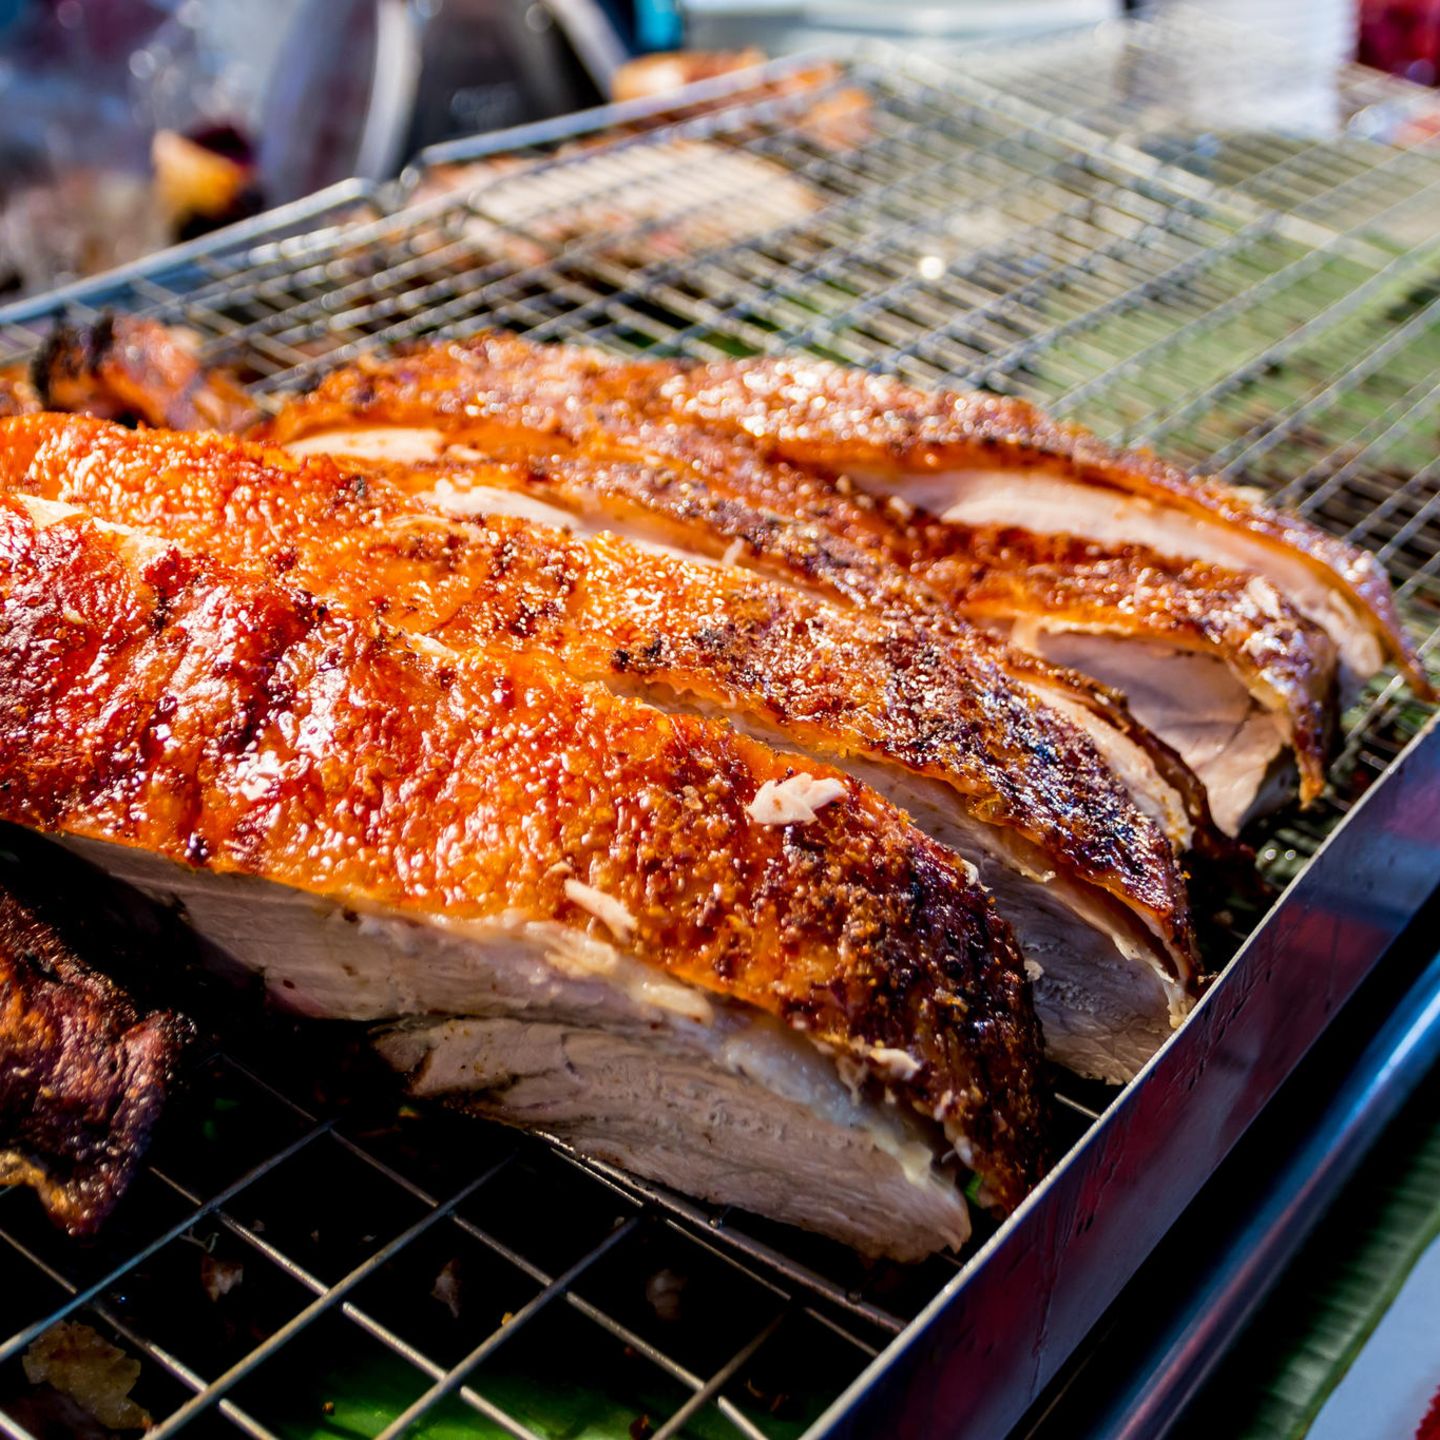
134 123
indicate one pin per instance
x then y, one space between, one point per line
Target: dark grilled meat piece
83 1074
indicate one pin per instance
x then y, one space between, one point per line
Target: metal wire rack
1121 226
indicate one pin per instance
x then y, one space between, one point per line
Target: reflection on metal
1393 1064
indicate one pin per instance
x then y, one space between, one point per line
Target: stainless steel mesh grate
1153 229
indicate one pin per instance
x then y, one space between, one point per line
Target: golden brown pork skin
594 432
607 608
156 700
833 420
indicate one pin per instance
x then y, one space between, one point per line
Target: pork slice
943 731
544 1027
390 832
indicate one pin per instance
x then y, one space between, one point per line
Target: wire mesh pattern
1098 224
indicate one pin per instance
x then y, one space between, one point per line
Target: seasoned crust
712 494
938 704
1188 604
150 697
83 1074
587 421
815 414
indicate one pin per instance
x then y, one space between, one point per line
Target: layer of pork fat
1105 998
543 1026
1195 703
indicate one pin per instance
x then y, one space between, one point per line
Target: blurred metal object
233 107
73 160
339 100
782 27
593 38
486 65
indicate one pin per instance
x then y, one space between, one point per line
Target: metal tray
1156 228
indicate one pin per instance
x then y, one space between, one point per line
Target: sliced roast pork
985 460
1268 680
1256 680
689 953
1245 599
934 721
1212 660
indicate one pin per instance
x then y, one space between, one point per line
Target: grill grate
1158 229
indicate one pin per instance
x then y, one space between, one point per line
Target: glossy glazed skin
828 678
83 1075
154 698
704 510
733 471
600 476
